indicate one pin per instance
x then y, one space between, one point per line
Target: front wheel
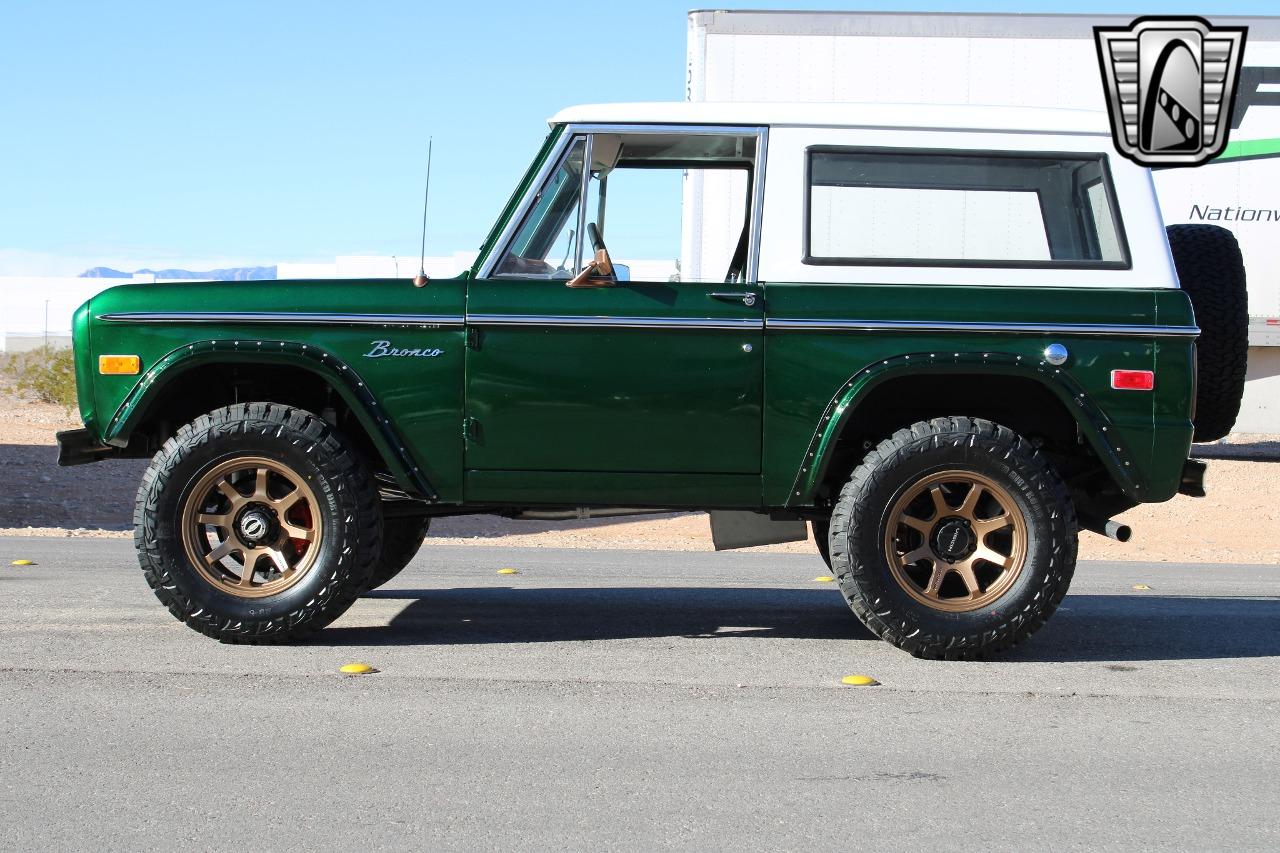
821 534
257 523
954 539
401 539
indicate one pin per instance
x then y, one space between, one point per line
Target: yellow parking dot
824 579
357 669
1141 586
508 572
859 681
23 563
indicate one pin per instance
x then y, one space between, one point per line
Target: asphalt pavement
633 700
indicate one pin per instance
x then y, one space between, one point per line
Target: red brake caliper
300 515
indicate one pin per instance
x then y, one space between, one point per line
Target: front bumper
78 447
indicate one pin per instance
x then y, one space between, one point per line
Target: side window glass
545 245
672 206
666 206
1103 221
648 222
887 206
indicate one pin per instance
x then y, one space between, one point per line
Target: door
616 367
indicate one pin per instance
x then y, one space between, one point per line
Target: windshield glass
546 243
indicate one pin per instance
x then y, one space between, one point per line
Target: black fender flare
1097 428
340 376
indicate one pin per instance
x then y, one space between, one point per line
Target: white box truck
1007 60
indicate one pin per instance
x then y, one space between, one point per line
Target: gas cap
1056 354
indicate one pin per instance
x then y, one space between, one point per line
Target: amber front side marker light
123 365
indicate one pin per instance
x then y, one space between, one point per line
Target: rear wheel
256 523
953 539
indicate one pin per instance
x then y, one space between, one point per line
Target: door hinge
470 428
473 338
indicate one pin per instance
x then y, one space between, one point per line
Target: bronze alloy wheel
251 527
955 541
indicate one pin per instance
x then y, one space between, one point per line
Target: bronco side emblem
1170 85
384 349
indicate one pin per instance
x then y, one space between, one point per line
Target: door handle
748 299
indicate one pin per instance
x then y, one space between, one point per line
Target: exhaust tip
1119 532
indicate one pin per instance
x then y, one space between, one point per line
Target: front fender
1093 422
339 375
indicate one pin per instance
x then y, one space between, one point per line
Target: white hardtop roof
930 116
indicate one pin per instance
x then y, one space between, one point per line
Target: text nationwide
1234 214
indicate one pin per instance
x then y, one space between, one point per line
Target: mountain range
229 274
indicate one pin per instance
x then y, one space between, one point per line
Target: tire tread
1211 271
362 524
851 510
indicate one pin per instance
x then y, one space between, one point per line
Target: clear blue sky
176 133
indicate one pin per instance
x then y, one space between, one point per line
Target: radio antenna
421 279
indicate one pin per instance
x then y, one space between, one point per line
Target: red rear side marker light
1133 380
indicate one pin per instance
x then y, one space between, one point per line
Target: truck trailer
1002 60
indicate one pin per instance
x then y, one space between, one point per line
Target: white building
35 310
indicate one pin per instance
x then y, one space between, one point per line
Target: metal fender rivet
1056 354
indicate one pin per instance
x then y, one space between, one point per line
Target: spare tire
1211 271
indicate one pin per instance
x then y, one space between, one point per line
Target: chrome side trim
744 323
1099 329
285 317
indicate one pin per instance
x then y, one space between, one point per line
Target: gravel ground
1239 522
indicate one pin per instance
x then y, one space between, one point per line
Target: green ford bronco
948 338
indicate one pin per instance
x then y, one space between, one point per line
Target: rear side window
877 206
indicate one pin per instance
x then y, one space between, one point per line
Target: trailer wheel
1211 271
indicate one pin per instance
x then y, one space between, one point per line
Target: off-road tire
821 535
956 443
1211 271
401 539
347 501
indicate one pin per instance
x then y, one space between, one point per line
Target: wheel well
1022 404
202 389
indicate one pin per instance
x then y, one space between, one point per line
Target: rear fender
1092 421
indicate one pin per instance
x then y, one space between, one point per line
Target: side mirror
598 273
